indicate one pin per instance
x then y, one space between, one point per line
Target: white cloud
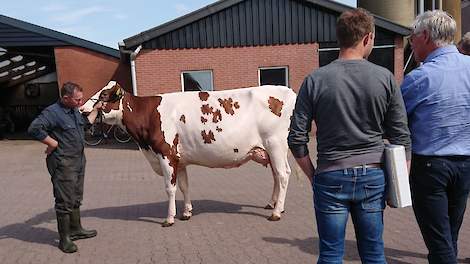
121 16
76 15
181 9
54 8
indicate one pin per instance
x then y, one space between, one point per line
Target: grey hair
69 88
440 26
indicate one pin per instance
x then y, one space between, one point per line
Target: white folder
399 194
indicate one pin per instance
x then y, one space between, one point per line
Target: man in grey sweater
355 105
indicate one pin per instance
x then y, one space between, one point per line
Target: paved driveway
126 203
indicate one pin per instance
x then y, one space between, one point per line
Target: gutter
375 47
132 56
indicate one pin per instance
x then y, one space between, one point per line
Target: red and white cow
217 129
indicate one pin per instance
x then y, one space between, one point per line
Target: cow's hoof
185 217
167 224
274 218
269 206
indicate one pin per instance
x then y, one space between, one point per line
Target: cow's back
219 128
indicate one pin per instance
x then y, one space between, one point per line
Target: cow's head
112 95
112 108
88 105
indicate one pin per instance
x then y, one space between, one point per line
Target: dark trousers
439 188
68 177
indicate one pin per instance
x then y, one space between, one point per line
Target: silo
453 7
399 11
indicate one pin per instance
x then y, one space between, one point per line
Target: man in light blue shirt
437 100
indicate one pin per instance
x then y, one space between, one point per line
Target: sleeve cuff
299 151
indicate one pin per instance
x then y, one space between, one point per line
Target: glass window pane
197 81
276 76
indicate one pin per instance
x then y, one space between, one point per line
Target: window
197 81
274 76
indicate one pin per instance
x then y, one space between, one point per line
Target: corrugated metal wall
253 23
258 23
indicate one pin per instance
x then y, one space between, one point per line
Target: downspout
132 57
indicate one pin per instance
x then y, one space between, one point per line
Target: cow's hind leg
275 195
169 175
184 187
277 151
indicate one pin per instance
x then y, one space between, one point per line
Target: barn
242 43
36 61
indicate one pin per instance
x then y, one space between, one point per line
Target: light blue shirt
437 100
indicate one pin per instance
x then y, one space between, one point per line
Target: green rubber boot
63 226
76 229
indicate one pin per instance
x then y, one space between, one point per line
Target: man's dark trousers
440 186
67 176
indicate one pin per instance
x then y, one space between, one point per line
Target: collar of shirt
441 51
66 110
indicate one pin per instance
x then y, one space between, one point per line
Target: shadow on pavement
29 231
310 246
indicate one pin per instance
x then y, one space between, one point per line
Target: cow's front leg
169 175
184 187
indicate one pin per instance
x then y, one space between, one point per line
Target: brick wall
159 71
89 69
398 60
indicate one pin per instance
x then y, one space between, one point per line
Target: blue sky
103 21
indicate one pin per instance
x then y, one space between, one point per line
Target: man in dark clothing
355 104
61 127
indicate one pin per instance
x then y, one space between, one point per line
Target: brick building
241 43
36 61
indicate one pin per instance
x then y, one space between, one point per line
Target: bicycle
96 132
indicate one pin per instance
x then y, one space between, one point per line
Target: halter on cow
220 129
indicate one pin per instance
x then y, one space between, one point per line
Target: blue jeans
440 188
360 192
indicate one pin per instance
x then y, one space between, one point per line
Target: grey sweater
355 105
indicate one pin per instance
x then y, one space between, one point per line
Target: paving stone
126 202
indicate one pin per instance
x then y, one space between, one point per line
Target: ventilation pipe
132 56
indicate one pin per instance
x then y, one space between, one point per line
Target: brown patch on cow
216 116
207 137
235 150
183 119
144 125
218 129
173 158
236 105
203 96
203 120
275 105
228 105
206 109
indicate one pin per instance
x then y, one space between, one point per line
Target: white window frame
274 68
182 77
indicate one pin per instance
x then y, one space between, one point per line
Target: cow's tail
296 171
